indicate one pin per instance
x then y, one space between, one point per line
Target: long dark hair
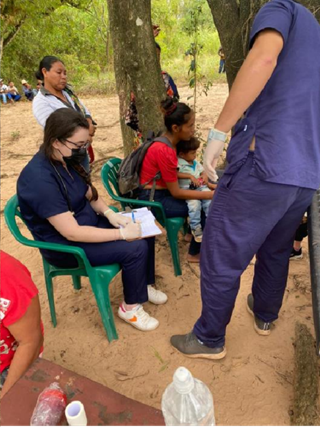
61 125
175 113
46 63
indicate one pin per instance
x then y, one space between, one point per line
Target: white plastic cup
75 414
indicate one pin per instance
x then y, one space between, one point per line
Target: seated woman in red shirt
179 120
21 328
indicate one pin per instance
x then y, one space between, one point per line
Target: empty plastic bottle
50 406
187 401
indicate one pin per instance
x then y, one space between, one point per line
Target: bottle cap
183 381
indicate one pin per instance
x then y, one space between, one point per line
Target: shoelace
142 315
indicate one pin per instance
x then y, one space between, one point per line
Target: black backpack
130 167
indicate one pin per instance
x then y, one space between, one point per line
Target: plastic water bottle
187 401
50 406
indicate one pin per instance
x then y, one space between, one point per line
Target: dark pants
16 98
301 232
247 216
222 66
173 208
3 377
137 260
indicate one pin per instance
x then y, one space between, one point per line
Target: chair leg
172 233
76 282
100 287
49 286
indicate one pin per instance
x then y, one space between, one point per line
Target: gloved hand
215 145
131 231
116 219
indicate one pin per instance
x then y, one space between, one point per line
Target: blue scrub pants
137 260
247 217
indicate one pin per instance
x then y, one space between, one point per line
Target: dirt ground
251 386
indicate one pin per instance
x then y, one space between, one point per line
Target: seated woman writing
179 120
60 204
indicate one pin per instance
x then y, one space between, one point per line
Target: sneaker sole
295 258
255 327
136 326
158 303
203 355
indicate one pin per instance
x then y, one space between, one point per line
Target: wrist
120 234
106 212
215 134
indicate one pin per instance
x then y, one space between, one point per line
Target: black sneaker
190 346
261 327
296 254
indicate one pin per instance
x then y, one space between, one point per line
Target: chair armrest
145 203
75 250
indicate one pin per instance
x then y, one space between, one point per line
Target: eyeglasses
85 145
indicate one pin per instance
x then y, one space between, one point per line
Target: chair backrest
11 211
109 175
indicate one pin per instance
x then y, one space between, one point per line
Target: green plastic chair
100 277
109 175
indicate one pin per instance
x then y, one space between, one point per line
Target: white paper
147 219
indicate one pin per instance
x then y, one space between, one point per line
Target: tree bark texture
233 20
136 66
306 379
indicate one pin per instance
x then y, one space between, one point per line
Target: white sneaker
155 296
138 318
197 234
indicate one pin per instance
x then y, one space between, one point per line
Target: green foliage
79 36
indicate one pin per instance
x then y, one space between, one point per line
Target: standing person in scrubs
272 174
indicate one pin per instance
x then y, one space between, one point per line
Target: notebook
147 220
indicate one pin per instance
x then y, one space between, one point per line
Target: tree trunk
306 379
233 20
136 66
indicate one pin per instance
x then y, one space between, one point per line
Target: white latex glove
116 219
214 149
131 231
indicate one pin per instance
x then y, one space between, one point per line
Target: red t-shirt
16 293
159 157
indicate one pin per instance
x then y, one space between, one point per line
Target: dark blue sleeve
276 15
174 87
44 196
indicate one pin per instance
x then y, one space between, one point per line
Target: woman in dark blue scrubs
60 205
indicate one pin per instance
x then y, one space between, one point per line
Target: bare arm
179 193
193 179
27 332
251 78
69 228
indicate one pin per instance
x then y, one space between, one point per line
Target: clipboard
149 227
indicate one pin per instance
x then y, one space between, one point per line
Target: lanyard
64 187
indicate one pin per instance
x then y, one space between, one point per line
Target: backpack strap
166 141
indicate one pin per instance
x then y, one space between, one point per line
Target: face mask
78 155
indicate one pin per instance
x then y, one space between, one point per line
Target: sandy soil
251 386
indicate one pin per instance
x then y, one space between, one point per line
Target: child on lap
191 176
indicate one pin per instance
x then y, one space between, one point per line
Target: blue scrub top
285 118
41 195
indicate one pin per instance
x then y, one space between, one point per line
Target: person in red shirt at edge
21 331
179 120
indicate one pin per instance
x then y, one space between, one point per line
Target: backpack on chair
130 167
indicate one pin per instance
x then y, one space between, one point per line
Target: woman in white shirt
55 93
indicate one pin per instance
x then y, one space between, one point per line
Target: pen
132 215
